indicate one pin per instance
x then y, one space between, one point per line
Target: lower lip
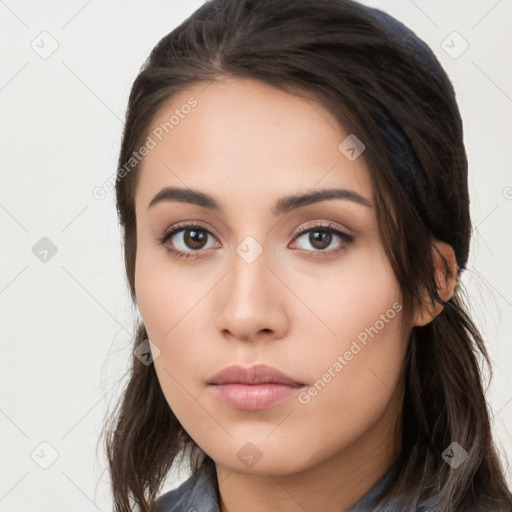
252 397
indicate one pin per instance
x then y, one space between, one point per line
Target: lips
257 374
253 388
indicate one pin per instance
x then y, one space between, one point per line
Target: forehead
247 138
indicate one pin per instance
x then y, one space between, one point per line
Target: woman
292 189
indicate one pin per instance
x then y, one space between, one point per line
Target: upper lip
257 374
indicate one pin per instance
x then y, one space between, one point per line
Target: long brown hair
335 52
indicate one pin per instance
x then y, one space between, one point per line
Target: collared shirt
198 494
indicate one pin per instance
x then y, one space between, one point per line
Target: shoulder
196 493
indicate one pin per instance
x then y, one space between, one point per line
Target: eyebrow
283 205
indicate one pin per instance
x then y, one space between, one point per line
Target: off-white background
66 324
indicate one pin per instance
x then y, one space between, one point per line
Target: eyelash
345 238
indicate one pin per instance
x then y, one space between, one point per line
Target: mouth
253 388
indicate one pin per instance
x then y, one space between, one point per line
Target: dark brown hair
337 53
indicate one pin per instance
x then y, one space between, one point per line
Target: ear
446 276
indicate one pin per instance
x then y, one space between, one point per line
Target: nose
252 301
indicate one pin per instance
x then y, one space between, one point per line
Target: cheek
172 307
163 294
169 306
352 300
365 367
356 366
356 383
153 298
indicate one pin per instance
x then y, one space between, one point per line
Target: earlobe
446 276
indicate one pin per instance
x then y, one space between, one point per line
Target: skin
248 144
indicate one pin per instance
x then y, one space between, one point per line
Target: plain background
66 324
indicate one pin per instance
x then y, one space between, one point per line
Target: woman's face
323 307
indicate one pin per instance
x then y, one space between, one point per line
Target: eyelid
184 225
313 224
326 224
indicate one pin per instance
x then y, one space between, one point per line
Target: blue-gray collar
199 494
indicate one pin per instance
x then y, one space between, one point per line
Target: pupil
195 238
323 238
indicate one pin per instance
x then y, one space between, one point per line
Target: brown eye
195 238
186 240
320 239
